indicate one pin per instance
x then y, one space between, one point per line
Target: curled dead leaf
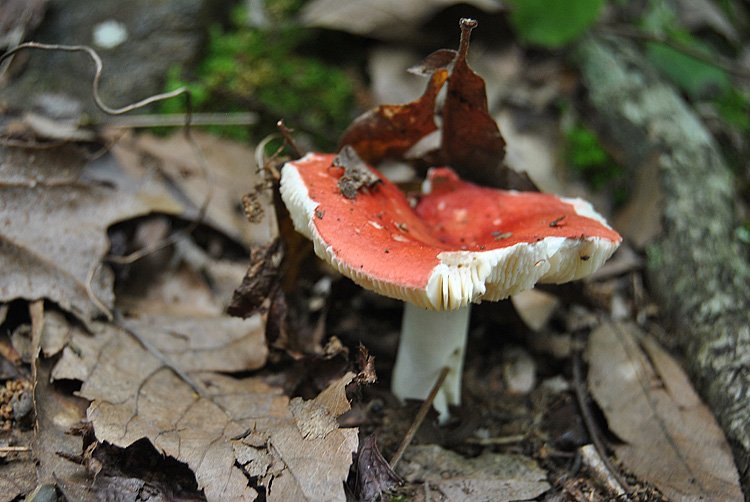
472 144
389 131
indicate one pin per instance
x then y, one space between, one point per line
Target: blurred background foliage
265 59
270 65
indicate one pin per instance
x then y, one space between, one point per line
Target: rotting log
696 267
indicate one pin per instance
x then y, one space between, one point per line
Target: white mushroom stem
430 341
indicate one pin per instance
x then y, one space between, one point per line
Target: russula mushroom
460 244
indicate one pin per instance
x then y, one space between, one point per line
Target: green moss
586 157
263 69
654 257
734 108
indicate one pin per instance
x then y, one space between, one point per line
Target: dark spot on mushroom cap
557 222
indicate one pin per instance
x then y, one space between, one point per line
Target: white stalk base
430 341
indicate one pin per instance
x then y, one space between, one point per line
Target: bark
696 268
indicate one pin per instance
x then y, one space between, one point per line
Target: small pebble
110 34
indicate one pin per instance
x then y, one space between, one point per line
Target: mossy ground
269 68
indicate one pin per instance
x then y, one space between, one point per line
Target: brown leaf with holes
389 131
296 446
469 139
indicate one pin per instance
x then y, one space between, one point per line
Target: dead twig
97 78
288 139
419 418
267 164
588 419
178 120
595 464
497 441
14 449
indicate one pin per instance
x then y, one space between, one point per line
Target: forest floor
125 377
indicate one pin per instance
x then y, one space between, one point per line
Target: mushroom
460 244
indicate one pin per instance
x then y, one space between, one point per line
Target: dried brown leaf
232 421
472 144
193 344
17 477
389 131
53 230
490 476
640 221
57 413
535 307
56 334
179 292
134 396
317 455
469 140
671 438
219 343
374 476
232 173
441 58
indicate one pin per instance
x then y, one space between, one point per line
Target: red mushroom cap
462 243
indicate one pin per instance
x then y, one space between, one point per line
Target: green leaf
553 23
693 76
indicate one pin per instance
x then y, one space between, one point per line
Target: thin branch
715 60
97 77
494 441
178 120
419 418
15 449
588 419
266 165
288 139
